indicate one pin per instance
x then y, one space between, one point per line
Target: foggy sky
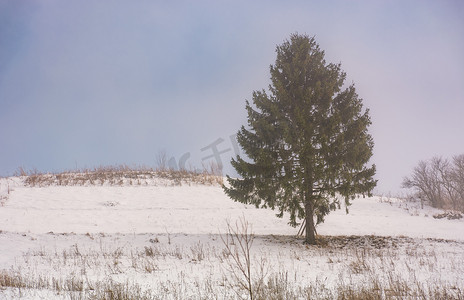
87 83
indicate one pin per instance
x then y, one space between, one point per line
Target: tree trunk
310 228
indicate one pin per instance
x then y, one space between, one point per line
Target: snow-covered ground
168 240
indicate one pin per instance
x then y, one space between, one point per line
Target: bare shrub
237 255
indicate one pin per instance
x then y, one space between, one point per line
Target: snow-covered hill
196 209
184 223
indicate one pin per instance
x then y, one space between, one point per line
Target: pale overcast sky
89 83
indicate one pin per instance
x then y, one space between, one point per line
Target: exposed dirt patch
365 241
450 215
355 241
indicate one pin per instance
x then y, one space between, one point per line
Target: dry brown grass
364 272
123 175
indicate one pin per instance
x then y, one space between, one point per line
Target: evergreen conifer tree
307 140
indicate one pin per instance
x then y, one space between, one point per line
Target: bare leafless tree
439 182
162 160
457 175
423 181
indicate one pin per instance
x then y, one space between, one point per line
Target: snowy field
163 240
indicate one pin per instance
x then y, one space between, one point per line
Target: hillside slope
160 240
196 209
